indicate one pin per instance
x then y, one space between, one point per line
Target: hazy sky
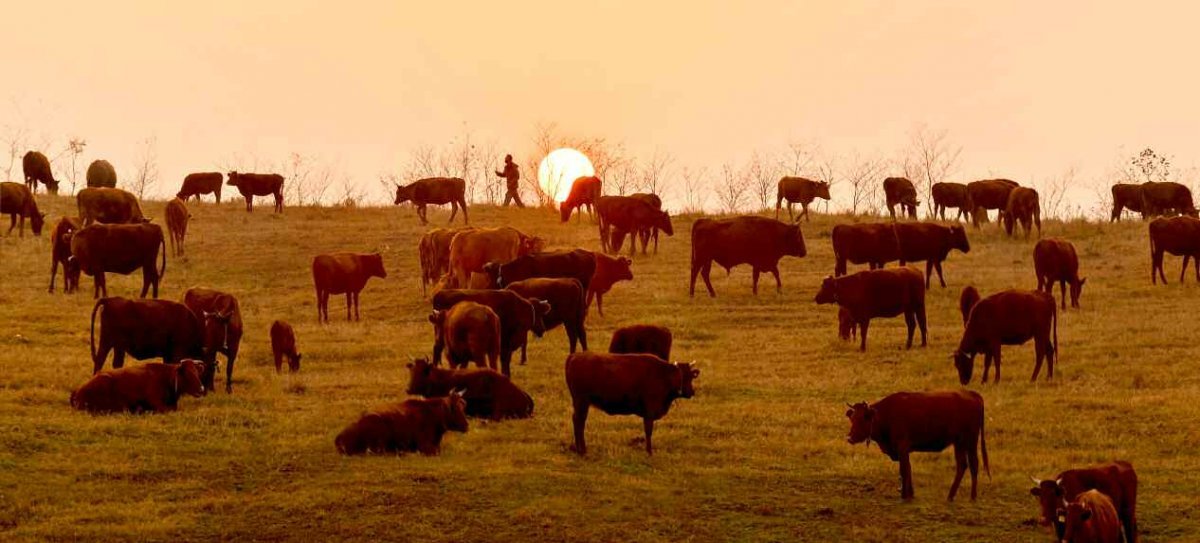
1027 88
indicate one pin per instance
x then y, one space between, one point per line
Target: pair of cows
248 184
1014 204
896 190
1152 198
639 216
100 173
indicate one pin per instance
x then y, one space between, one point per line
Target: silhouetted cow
1010 317
1091 518
120 248
879 293
626 215
932 243
517 316
195 184
609 271
568 306
60 253
151 329
435 191
1023 206
153 388
17 201
411 425
874 244
471 250
584 192
36 168
1178 236
1126 196
489 394
283 345
799 189
642 338
655 202
953 195
757 241
989 194
1168 197
110 206
344 273
258 184
1117 480
1054 260
177 223
469 332
100 173
222 316
899 190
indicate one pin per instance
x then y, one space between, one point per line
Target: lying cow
36 168
153 388
642 339
578 264
879 293
120 248
757 241
517 317
1010 317
568 306
584 192
989 194
471 250
344 273
1117 480
223 327
60 253
954 195
609 271
100 173
150 329
17 201
1178 236
436 191
283 345
1126 196
195 184
258 184
1023 206
411 425
469 332
899 190
109 205
1091 518
177 222
1054 260
489 394
799 189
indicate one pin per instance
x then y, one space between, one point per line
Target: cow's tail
162 245
528 402
983 447
99 304
1054 317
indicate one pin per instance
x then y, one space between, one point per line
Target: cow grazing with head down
1178 236
989 194
489 394
954 195
120 248
433 250
1023 206
517 316
195 184
151 329
799 189
1054 260
100 173
1091 518
967 301
471 250
879 293
908 422
258 184
1010 317
469 332
1126 196
60 253
609 271
436 191
17 201
655 202
643 339
177 222
36 168
110 206
408 426
146 388
625 384
930 242
344 273
1117 480
899 190
283 345
1166 198
584 192
757 241
568 306
222 316
627 215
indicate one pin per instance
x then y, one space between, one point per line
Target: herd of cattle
492 287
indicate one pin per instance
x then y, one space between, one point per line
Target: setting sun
559 170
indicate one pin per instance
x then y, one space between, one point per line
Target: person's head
508 159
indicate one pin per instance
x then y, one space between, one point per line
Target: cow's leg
1062 290
118 358
705 273
633 244
656 244
579 421
862 331
648 424
505 362
229 371
279 361
691 286
754 281
349 302
54 271
960 467
146 274
997 362
13 223
1183 270
928 272
987 365
906 488
101 283
937 265
778 283
357 298
581 333
920 311
1039 350
523 359
453 211
973 463
910 320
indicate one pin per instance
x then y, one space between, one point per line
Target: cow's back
14 197
990 193
100 173
118 248
1011 316
866 242
565 295
616 383
740 240
338 273
1055 258
1177 235
470 250
885 292
930 421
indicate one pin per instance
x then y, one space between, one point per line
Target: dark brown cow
100 173
799 189
177 223
517 316
932 243
411 425
874 244
1166 198
283 345
655 202
1091 518
899 190
1023 206
344 273
1010 317
36 168
150 329
989 194
110 206
489 394
847 327
60 253
568 306
757 241
434 253
146 388
584 192
643 339
470 332
625 384
967 301
195 184
1054 260
1126 196
953 195
17 201
1176 235
120 248
578 264
626 215
908 422
609 271
879 293
222 316
436 191
1117 480
473 249
258 184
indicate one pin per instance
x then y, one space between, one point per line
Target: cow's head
958 239
663 222
294 363
1074 517
51 186
188 378
374 266
564 210
403 193
793 243
38 220
234 179
862 422
530 245
965 364
609 270
540 308
1076 290
822 190
828 293
1050 499
456 411
421 380
688 372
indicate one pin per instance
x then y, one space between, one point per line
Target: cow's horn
1036 481
848 405
1058 482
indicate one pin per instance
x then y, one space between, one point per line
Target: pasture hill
759 454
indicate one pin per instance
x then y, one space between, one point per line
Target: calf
1117 480
1010 317
568 306
177 223
437 191
109 205
195 184
154 388
17 201
643 339
283 345
989 194
899 190
967 301
471 250
1091 518
577 264
517 316
150 329
953 195
1126 196
1023 206
223 329
100 173
344 273
411 425
258 184
932 243
60 253
469 332
36 168
1175 235
625 384
120 248
879 293
1055 260
758 241
489 394
584 192
908 422
874 244
799 189
609 271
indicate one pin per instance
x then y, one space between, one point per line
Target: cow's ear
1035 491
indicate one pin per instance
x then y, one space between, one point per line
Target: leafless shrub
732 189
1052 192
145 176
695 189
74 149
862 174
653 173
762 173
930 158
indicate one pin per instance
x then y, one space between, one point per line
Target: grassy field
759 454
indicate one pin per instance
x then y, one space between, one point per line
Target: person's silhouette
511 174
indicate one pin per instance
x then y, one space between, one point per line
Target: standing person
511 174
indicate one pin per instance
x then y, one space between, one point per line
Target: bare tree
16 141
930 159
732 190
623 177
763 176
826 167
654 172
1052 193
145 177
74 149
349 194
695 190
862 174
798 158
1149 166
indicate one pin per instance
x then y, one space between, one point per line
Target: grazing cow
799 189
584 192
626 215
908 422
1010 317
879 293
517 316
470 332
344 273
17 201
847 327
100 173
489 394
151 329
110 206
655 202
625 384
1126 196
60 253
471 250
258 184
1091 518
989 194
874 244
433 250
36 168
153 388
899 190
283 345
411 425
1117 480
1176 235
222 316
967 301
757 241
568 306
576 264
437 191
1023 206
642 339
1164 198
177 223
195 184
609 271
1054 259
120 248
953 195
932 243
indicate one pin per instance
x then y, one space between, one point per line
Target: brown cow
627 215
177 223
489 394
1054 259
932 243
471 250
258 184
154 388
470 332
283 345
437 191
908 422
967 301
17 201
847 327
1023 206
120 248
643 339
568 306
757 241
151 329
799 189
578 264
1010 317
953 195
625 384
36 168
100 173
879 293
222 316
1117 480
1091 518
60 253
344 273
518 316
655 202
433 250
1167 197
989 194
411 425
899 190
874 244
1178 236
195 184
111 206
1126 196
609 271
584 192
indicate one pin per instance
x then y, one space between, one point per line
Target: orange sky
1027 88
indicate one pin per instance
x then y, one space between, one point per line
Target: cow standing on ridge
1054 260
17 201
436 191
258 184
799 189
